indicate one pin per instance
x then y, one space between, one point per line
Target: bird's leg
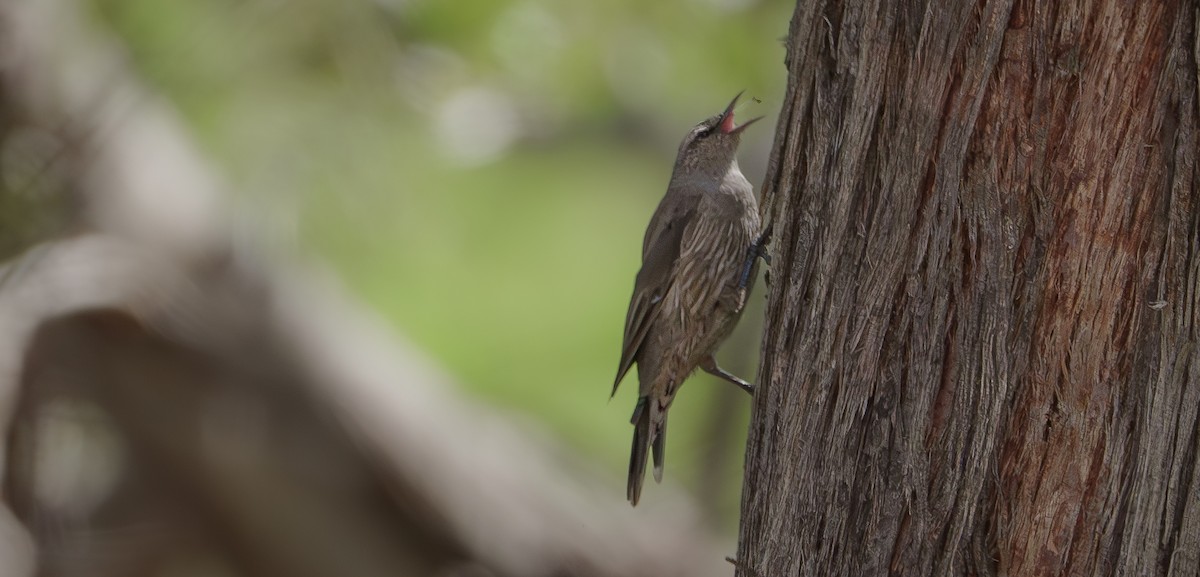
757 249
709 365
764 238
735 563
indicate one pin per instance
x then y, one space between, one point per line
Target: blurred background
481 172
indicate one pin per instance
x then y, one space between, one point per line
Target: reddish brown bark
981 345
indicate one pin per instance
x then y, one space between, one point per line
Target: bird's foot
709 365
756 250
760 244
738 565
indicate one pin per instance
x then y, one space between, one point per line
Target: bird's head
711 147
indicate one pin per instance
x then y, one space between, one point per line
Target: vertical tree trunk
981 353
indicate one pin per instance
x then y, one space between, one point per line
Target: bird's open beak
727 125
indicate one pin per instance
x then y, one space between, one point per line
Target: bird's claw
757 250
710 366
760 244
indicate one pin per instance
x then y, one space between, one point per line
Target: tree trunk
980 354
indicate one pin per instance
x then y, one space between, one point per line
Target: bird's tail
638 455
649 434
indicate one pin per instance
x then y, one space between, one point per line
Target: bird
699 257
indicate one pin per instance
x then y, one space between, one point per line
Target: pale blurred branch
172 397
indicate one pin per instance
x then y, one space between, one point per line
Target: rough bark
981 349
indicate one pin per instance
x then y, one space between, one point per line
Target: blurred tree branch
173 397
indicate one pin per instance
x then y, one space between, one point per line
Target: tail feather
659 447
638 455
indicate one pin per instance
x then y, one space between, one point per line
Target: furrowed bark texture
981 348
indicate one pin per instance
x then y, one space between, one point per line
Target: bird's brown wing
660 251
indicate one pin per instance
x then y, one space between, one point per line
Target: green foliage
511 262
